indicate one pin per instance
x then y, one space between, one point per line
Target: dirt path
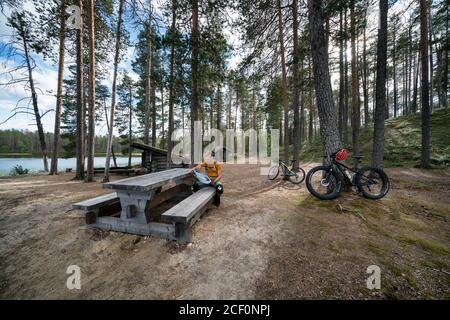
267 240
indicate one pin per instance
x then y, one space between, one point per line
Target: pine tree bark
425 161
311 105
346 98
284 84
148 101
194 70
171 84
394 65
380 107
130 123
341 76
91 114
80 136
416 80
365 76
219 106
322 82
355 94
153 100
163 133
113 94
430 44
297 135
56 135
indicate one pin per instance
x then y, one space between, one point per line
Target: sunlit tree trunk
91 115
171 84
284 84
322 81
194 71
355 95
113 94
56 135
80 133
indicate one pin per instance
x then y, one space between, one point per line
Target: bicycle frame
340 168
286 171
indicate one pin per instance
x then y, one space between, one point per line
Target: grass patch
427 244
377 249
414 223
402 142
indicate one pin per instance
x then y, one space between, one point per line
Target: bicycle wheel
372 182
323 183
273 172
298 176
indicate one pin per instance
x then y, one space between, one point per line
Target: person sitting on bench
213 170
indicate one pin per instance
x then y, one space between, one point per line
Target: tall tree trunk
311 104
219 107
148 101
322 81
113 94
284 84
416 79
380 107
430 44
171 84
37 114
163 133
410 62
230 101
153 100
444 72
56 135
130 124
236 109
425 162
355 94
80 136
341 77
345 113
91 117
296 86
394 64
405 82
211 110
194 70
365 75
107 128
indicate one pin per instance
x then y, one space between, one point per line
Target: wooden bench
187 212
99 206
132 208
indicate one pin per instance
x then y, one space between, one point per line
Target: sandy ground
268 240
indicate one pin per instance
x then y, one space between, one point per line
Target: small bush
18 170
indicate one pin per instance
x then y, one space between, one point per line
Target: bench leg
183 232
91 217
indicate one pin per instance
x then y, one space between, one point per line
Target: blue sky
45 76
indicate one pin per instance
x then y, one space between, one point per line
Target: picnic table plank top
149 181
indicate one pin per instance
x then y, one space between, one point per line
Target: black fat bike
325 182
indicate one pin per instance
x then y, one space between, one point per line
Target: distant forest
25 141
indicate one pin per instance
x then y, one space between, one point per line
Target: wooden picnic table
137 198
136 193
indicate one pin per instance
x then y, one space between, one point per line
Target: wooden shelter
155 159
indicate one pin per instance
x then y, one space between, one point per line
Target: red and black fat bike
325 182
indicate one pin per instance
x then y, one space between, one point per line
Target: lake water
36 164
